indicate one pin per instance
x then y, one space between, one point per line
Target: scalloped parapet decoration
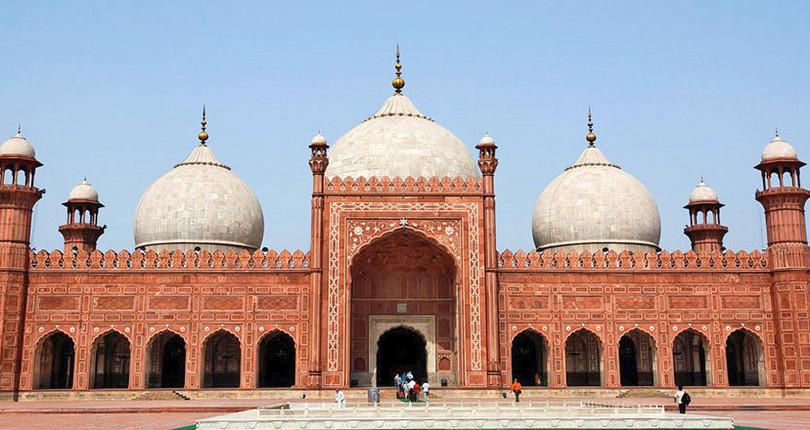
385 185
176 260
625 260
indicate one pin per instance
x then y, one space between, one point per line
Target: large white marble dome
398 141
594 205
199 203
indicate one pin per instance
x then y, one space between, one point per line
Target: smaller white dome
17 145
702 193
487 140
83 191
318 139
778 148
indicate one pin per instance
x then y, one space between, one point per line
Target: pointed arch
54 360
276 359
222 360
691 358
109 360
745 358
638 359
401 349
530 358
166 360
584 361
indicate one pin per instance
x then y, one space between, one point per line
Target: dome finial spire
398 82
19 129
203 136
591 138
777 131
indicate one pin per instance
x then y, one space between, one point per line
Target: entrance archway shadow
166 361
745 359
690 353
637 358
222 358
530 359
110 361
276 360
583 359
401 350
54 359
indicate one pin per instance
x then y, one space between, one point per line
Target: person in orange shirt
516 388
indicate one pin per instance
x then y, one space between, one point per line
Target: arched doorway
530 359
166 361
745 359
403 279
222 359
54 361
583 359
637 359
110 361
400 350
689 352
277 360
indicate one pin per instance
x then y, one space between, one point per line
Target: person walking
340 399
517 388
426 389
682 399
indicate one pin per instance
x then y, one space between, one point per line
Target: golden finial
398 82
203 136
591 138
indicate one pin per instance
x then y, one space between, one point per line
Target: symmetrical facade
403 274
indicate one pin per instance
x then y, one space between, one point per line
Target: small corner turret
704 229
81 231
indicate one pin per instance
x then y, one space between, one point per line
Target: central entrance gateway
403 315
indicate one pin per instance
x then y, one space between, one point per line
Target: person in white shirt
340 399
426 389
679 399
411 394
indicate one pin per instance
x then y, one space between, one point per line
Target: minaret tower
783 199
704 229
18 195
318 162
82 231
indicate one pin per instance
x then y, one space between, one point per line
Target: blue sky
113 91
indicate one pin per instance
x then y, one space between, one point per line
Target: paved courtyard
781 414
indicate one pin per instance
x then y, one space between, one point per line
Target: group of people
409 388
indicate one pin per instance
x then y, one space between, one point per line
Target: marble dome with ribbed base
595 205
779 149
83 191
702 193
199 203
18 145
398 141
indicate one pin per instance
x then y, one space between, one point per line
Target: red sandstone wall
140 295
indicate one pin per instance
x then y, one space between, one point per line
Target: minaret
318 162
488 162
704 229
783 199
82 231
18 195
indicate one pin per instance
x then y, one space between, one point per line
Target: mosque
403 273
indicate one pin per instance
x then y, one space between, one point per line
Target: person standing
682 399
517 389
426 389
340 399
397 384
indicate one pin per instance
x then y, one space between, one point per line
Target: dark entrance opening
636 359
277 360
583 359
222 361
744 359
400 350
529 358
689 352
110 361
167 361
56 357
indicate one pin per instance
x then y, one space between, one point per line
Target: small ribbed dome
702 193
778 148
318 139
17 145
595 205
83 191
200 202
398 141
487 140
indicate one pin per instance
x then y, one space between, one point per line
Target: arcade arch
109 361
691 359
403 280
530 359
166 361
54 359
222 358
276 360
583 359
401 350
637 358
745 359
